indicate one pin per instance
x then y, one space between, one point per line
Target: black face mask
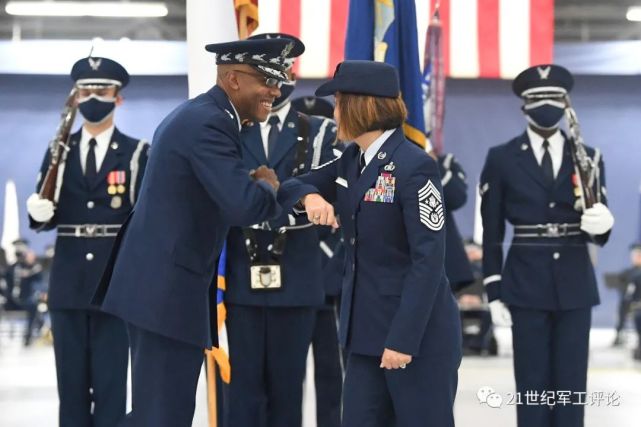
545 114
96 109
286 91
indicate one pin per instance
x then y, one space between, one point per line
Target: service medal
116 202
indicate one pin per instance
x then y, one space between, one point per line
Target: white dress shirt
102 145
555 148
376 146
265 126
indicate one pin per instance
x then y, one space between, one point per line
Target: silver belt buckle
552 230
90 230
265 277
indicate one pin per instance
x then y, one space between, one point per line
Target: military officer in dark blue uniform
163 265
274 280
457 266
547 279
399 321
98 184
328 366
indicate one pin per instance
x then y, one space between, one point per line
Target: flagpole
242 20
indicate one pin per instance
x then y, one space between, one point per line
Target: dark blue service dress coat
395 292
196 188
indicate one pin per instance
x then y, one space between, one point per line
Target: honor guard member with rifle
274 273
88 185
161 274
328 362
457 266
551 188
399 321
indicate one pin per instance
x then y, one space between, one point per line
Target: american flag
481 38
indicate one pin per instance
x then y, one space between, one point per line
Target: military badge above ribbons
430 207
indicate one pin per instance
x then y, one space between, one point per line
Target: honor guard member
274 275
399 321
98 184
457 266
547 279
162 269
328 366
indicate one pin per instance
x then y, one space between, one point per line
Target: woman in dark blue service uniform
399 322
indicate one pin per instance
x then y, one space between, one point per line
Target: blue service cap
95 70
314 106
543 78
363 78
298 49
268 56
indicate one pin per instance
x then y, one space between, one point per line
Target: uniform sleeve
138 166
321 180
493 216
218 166
454 183
325 153
329 148
53 222
424 218
601 191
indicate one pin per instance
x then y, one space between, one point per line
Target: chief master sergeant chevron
195 189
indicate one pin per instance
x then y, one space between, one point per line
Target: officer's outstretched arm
218 165
321 180
421 200
493 225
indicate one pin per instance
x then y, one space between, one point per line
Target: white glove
41 210
500 313
597 220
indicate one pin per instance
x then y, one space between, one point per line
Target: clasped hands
266 174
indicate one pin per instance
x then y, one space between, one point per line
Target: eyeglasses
269 81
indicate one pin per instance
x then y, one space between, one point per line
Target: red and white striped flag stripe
482 38
320 24
496 38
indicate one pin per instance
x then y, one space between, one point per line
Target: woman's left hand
394 360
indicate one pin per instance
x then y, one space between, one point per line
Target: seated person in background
476 319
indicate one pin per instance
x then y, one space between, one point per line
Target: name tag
265 277
341 181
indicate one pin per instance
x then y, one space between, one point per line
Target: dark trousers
551 355
421 395
164 379
328 371
91 352
268 349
